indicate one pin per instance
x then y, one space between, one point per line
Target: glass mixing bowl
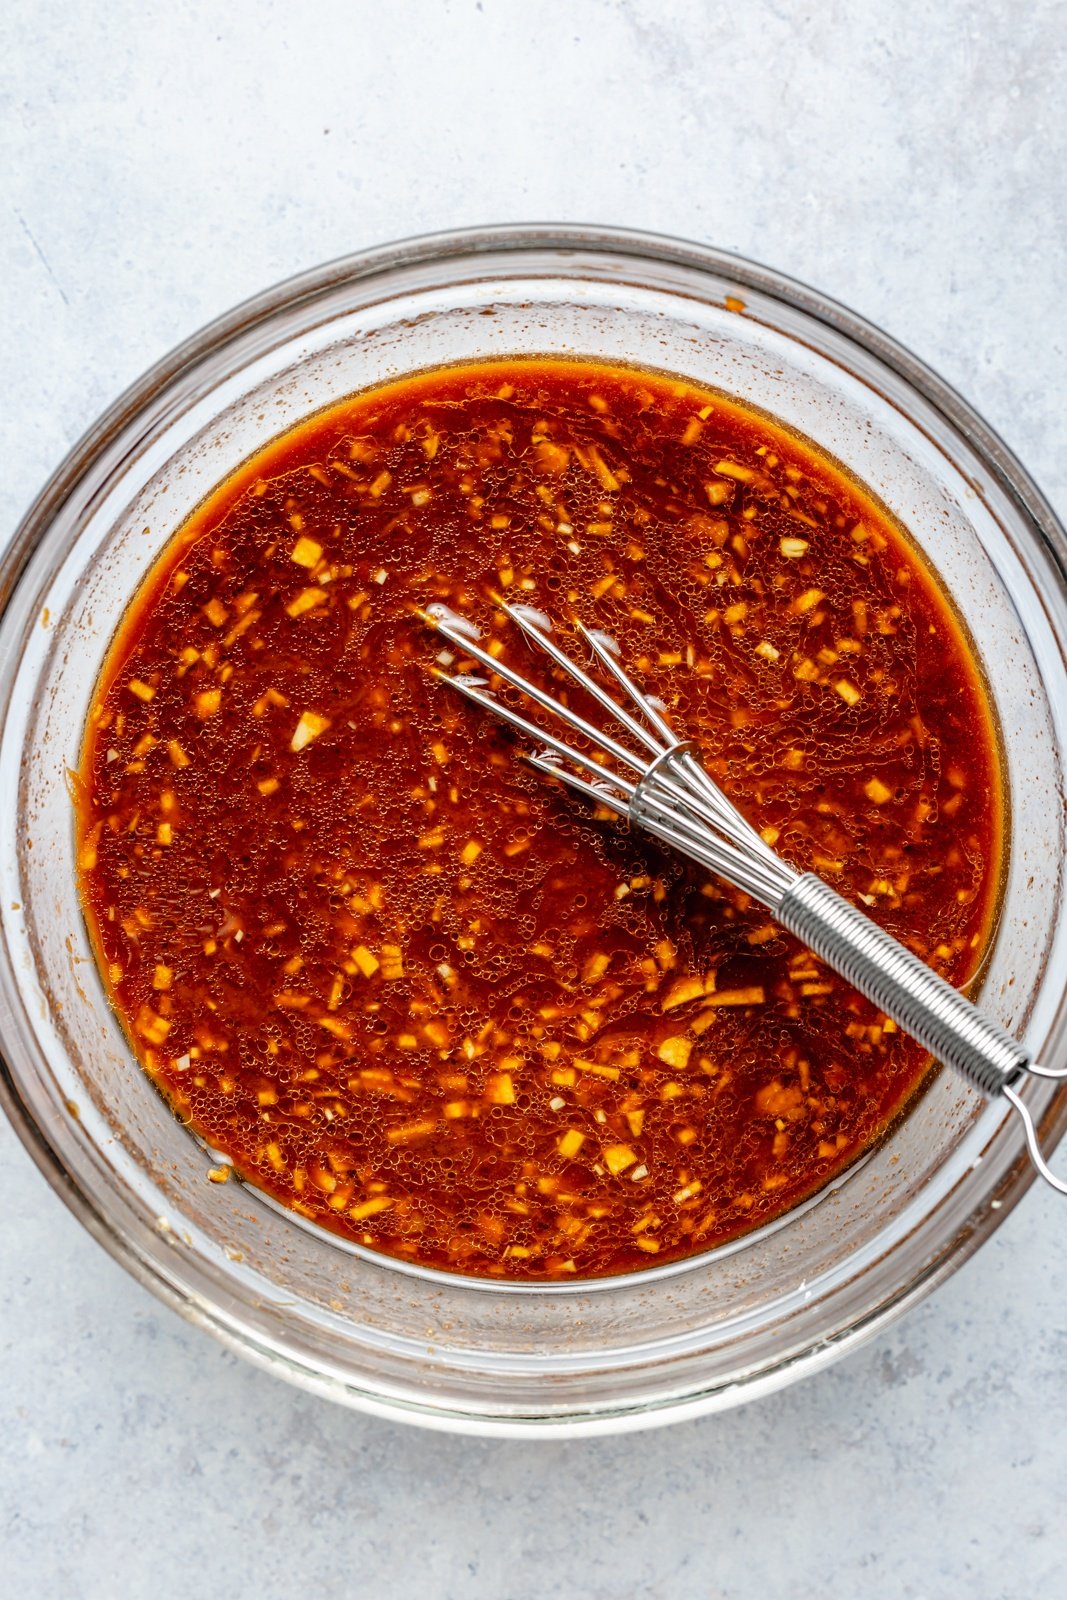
662 1344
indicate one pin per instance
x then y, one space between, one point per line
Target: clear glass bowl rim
175 377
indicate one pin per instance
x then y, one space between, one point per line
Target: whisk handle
901 985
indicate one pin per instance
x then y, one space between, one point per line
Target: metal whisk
662 787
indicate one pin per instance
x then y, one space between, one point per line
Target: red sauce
407 985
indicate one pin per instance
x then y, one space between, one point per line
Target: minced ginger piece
751 996
681 992
596 1069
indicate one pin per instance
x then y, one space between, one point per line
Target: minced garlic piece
365 960
617 1157
848 691
305 600
407 1131
675 1051
309 727
392 962
733 469
306 553
808 600
151 1026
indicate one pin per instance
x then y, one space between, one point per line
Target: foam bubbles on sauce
404 982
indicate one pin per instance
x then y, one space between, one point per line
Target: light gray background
162 161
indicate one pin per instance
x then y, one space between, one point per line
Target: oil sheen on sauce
403 982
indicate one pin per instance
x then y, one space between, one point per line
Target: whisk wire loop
670 794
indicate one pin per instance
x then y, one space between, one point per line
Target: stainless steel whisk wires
663 788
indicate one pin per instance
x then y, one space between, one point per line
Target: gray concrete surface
160 162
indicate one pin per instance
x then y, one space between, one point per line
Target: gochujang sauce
410 987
